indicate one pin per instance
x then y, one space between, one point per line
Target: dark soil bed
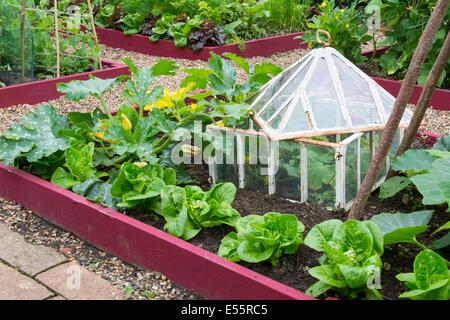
293 269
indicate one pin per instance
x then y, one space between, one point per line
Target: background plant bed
138 243
166 48
45 90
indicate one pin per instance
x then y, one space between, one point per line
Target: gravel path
134 282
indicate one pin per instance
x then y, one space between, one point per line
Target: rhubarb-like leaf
402 227
37 137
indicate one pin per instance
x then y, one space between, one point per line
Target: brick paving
36 272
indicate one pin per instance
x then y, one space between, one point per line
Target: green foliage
402 227
78 52
221 80
259 238
196 23
346 27
40 135
187 210
405 21
140 184
427 170
351 257
80 166
430 279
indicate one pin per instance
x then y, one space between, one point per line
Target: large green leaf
223 192
442 143
402 227
417 160
37 137
228 247
326 274
429 268
96 191
254 252
435 185
321 233
393 185
78 89
355 236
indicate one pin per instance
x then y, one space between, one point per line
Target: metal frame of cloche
315 129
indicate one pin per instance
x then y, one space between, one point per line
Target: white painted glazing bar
240 148
303 172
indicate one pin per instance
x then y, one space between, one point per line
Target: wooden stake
58 53
425 97
22 41
423 47
94 32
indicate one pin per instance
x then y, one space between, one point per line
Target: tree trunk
402 100
425 97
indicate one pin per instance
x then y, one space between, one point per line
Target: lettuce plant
259 238
80 167
140 184
430 279
187 210
351 260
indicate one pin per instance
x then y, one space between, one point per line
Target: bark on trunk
402 100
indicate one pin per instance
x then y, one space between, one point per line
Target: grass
288 15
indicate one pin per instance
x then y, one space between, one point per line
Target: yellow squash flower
99 135
324 5
220 123
164 102
126 123
170 98
194 106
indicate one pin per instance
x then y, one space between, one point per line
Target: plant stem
164 145
58 53
391 127
420 245
22 41
105 107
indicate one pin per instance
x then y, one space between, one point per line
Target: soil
8 78
293 269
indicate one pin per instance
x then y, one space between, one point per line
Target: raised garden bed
138 243
166 48
45 90
439 101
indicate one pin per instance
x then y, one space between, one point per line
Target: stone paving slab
28 258
16 286
74 282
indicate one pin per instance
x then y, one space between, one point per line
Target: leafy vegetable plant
427 170
259 238
346 27
352 257
187 210
430 279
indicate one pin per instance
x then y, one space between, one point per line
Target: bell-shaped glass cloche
323 93
314 131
